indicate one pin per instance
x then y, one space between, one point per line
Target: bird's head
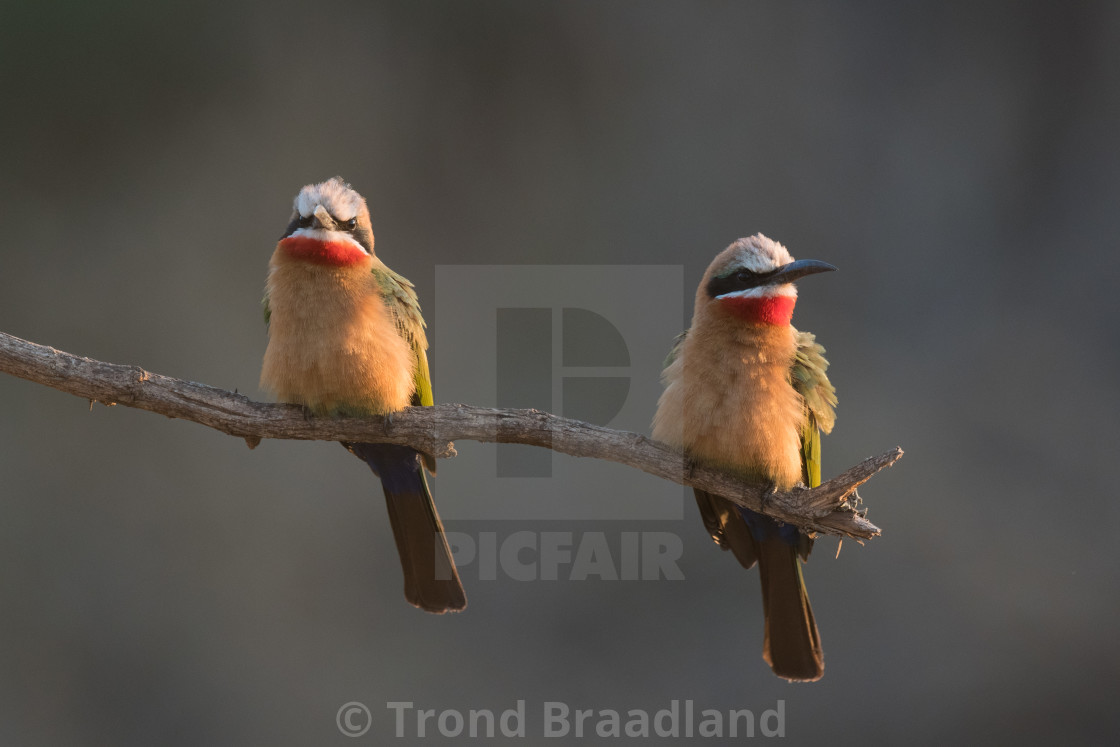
330 225
753 279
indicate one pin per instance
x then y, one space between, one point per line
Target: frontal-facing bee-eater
345 337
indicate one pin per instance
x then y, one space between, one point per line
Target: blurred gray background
160 583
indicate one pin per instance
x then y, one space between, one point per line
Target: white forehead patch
760 254
334 194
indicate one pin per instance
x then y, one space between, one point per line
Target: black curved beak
799 269
745 279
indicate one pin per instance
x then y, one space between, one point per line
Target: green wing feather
678 343
400 297
810 381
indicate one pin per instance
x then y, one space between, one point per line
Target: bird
748 393
346 337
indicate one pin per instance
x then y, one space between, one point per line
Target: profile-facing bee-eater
746 392
345 337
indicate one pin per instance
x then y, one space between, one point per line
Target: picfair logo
569 361
581 341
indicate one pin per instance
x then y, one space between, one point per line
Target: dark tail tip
793 644
431 581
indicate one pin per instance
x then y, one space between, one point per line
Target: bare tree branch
826 509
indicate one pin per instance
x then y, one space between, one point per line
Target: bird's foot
768 495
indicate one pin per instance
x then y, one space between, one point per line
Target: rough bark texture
827 509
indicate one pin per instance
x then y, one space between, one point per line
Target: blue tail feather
397 466
764 528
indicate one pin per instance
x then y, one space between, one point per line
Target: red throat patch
761 309
335 253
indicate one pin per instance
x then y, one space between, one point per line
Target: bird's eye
351 224
305 221
744 275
